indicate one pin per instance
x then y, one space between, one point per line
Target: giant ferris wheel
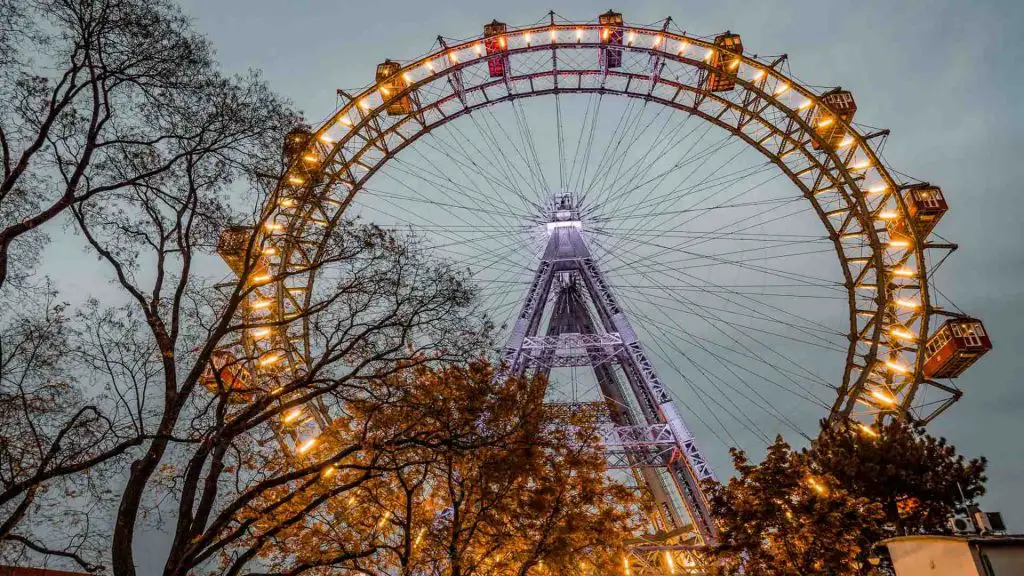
688 241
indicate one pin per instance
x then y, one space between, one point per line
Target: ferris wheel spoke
717 323
664 358
606 179
775 272
723 294
531 158
611 150
525 152
673 333
451 190
584 144
700 186
760 401
464 161
720 325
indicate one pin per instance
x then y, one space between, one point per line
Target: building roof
988 540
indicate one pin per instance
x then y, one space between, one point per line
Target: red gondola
830 122
725 60
496 45
955 347
611 35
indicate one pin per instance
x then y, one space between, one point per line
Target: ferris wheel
682 236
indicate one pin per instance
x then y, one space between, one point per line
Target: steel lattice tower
646 433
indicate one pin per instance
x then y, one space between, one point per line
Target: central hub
563 214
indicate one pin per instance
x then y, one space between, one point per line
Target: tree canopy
822 509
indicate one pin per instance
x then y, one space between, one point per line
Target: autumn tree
822 509
782 517
918 480
474 476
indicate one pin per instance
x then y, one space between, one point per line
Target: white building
964 555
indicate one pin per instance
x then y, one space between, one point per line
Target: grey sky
943 76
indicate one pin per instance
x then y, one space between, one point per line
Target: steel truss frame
848 187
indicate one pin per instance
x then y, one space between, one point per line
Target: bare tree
104 94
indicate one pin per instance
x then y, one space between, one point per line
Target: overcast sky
944 76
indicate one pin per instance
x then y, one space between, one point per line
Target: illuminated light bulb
365 103
735 64
311 158
287 202
261 278
709 55
295 180
683 46
407 78
846 142
907 303
632 37
329 471
781 90
272 226
902 334
269 251
657 41
883 397
825 122
453 56
260 333
527 38
502 42
306 446
292 415
888 215
625 564
805 104
270 359
261 304
759 75
896 367
862 165
903 272
877 189
326 138
668 561
868 430
478 48
384 91
345 120
554 35
579 34
899 243
604 33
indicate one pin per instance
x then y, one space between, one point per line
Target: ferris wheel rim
848 392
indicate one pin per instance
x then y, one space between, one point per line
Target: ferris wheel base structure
646 428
